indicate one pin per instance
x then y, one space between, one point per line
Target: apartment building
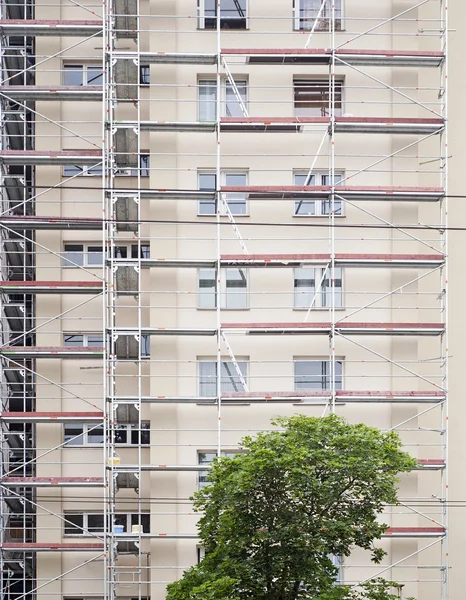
210 218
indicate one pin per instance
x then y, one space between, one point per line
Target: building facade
211 216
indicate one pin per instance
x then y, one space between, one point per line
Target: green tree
273 514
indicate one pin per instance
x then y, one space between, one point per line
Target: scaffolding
180 331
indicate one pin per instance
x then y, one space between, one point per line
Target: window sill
318 216
224 216
224 308
319 308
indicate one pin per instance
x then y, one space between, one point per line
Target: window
233 14
83 339
312 287
96 170
316 375
86 434
82 170
233 292
230 381
230 105
144 168
312 97
307 11
83 524
131 251
316 206
205 458
236 201
144 74
129 434
82 75
82 255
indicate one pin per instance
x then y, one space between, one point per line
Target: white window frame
85 339
318 178
202 17
323 26
322 293
241 81
213 453
85 529
145 251
85 254
231 198
243 365
208 295
325 373
88 428
97 170
68 66
324 83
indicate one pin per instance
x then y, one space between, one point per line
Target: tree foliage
273 515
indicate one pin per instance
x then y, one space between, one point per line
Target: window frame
302 81
324 292
85 532
97 170
85 339
324 26
318 203
201 18
225 295
130 253
85 66
235 198
85 255
241 360
88 428
201 483
241 81
325 374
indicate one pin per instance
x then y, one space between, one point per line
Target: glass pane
121 252
309 375
144 75
142 519
232 105
230 379
94 255
94 76
204 458
95 435
207 378
95 340
73 255
72 170
236 201
74 435
76 524
304 287
95 523
207 297
73 75
73 340
301 178
207 100
327 290
144 251
121 434
207 183
144 165
122 520
95 171
145 345
236 289
145 434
